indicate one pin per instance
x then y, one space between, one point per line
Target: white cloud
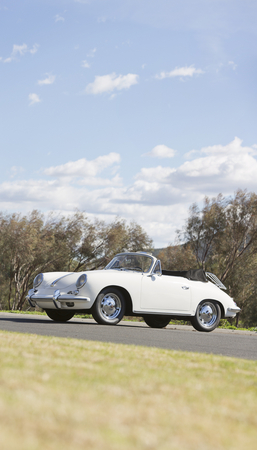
59 18
48 80
158 198
99 181
191 154
91 54
20 50
101 19
180 72
34 49
83 167
85 64
233 148
217 168
33 98
232 64
155 174
15 170
111 82
230 166
161 151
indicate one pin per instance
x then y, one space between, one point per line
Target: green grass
73 394
224 323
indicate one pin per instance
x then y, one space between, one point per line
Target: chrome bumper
57 300
231 312
234 310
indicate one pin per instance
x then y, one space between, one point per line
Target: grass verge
68 393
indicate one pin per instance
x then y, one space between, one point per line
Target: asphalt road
240 344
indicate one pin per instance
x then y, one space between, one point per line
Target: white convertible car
134 284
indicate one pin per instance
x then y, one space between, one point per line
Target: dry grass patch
68 393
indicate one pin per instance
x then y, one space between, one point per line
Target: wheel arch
222 310
126 295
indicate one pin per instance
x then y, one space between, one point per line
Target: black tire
207 316
155 321
59 316
109 307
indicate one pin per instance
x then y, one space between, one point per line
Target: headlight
38 280
81 281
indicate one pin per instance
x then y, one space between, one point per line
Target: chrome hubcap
110 306
208 314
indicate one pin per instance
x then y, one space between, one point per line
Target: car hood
59 280
63 280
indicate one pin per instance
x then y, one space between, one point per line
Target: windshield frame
115 258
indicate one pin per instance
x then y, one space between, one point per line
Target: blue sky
129 108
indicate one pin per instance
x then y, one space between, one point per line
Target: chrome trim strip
64 298
56 295
28 297
32 304
68 299
58 279
56 304
163 313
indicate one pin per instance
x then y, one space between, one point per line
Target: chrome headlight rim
81 281
38 280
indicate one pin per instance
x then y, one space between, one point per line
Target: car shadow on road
33 320
75 321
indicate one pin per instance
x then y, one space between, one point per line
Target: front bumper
58 300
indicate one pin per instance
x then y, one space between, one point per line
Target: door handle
185 287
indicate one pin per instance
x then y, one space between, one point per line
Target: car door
165 294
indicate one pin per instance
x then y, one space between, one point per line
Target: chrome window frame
157 264
147 255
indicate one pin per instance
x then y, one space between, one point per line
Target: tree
27 247
205 228
34 243
178 257
223 238
102 241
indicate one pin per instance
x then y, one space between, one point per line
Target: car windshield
140 263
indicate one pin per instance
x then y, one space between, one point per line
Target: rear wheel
59 316
109 307
207 316
155 321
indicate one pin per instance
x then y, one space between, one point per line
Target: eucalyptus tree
221 237
33 243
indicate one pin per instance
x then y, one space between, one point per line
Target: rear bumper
231 312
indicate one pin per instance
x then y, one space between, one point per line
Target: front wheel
109 307
207 316
59 316
155 321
